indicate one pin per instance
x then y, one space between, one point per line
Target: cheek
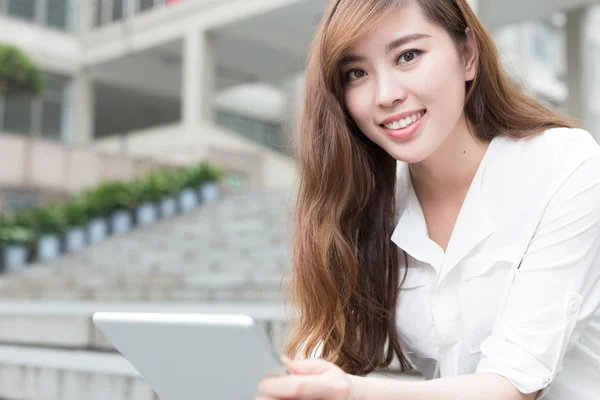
444 87
356 105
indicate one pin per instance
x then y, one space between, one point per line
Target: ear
470 55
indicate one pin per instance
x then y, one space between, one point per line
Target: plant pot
168 207
14 257
121 222
97 230
48 247
146 214
75 238
188 199
209 192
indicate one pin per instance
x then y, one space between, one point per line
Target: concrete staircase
226 257
235 249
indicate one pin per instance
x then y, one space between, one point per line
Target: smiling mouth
405 122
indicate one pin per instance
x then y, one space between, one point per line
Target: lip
405 133
398 117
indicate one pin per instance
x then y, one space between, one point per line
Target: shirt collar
472 226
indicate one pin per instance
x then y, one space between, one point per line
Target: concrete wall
50 49
261 166
46 166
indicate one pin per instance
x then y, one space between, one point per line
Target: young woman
478 260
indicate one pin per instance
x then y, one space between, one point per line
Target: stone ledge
68 325
44 374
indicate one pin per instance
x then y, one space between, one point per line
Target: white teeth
403 123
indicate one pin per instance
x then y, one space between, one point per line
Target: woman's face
405 84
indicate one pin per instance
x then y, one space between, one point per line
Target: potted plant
119 201
18 74
209 187
96 215
76 220
169 186
148 192
15 240
50 225
188 195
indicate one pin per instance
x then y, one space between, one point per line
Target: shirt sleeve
555 289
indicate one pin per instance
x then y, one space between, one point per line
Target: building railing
268 134
111 11
36 168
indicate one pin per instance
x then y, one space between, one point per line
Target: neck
451 168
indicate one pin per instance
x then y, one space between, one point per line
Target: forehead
406 19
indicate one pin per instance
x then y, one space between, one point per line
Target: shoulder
563 145
531 170
550 155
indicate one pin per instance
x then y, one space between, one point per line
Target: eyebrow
389 48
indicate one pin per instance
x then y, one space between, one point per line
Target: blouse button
574 306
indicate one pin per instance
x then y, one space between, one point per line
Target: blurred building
154 80
135 83
175 81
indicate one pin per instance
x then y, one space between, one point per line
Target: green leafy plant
166 181
17 229
156 186
146 190
50 220
116 196
18 74
74 212
212 173
93 205
196 175
15 235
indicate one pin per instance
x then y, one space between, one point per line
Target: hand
312 379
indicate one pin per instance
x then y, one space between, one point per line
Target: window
22 9
53 102
266 133
117 10
98 12
15 201
543 40
52 119
39 116
51 13
57 14
17 114
146 4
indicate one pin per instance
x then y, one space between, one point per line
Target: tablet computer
193 356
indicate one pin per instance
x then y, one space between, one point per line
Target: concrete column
292 88
82 106
198 79
82 15
474 5
579 68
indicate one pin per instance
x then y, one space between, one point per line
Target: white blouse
517 292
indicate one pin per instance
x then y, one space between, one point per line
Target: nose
389 92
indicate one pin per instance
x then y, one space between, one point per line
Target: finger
291 365
295 387
310 366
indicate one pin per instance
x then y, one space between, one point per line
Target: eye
408 56
354 74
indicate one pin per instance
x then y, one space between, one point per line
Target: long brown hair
345 276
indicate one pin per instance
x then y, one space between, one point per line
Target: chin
407 155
